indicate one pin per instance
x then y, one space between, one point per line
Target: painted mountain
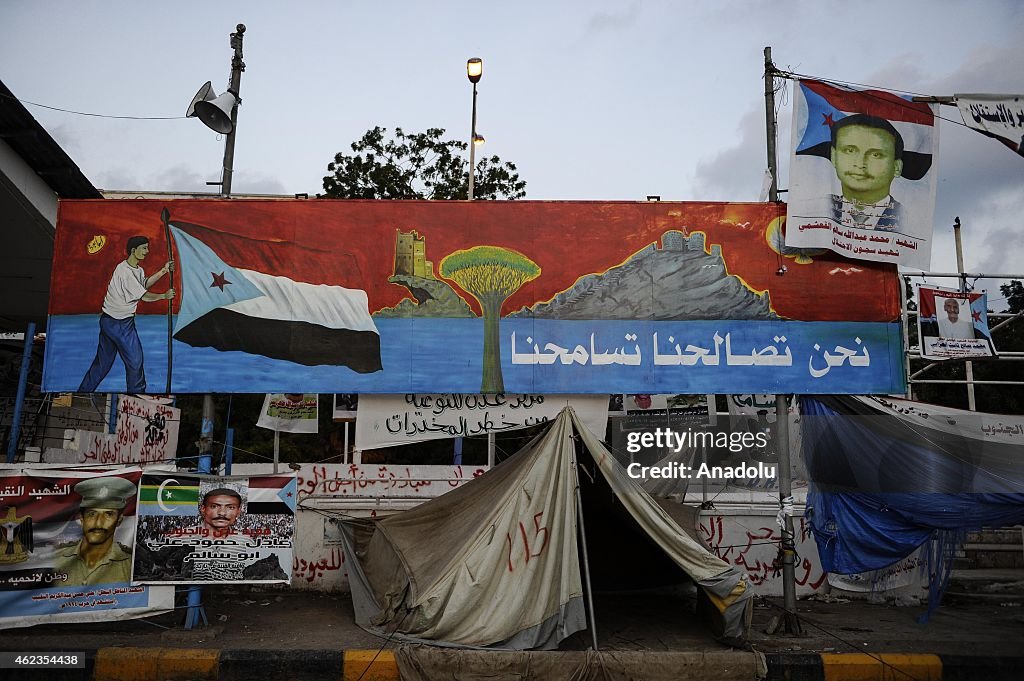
687 283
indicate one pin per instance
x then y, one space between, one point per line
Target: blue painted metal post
19 400
196 612
229 439
229 450
112 415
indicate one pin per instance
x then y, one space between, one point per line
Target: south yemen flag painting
239 293
862 174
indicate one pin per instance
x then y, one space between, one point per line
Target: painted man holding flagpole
128 286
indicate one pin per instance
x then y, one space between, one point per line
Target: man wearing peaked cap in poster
867 153
97 558
118 336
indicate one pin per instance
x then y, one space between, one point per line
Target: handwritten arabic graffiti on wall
583 317
386 420
146 432
751 542
370 480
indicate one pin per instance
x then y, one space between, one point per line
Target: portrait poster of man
862 174
203 529
952 324
66 542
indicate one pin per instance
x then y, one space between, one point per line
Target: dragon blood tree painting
490 274
531 297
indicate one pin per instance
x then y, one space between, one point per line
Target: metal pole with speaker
219 113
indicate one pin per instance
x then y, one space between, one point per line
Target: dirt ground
970 623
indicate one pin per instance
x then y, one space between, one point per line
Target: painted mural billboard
400 297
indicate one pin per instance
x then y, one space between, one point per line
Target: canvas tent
497 561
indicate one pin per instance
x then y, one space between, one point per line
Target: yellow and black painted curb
891 667
200 664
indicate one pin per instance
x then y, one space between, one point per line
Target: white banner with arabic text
388 420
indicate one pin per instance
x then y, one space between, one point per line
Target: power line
909 105
94 115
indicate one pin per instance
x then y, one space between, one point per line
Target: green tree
1014 294
417 166
490 274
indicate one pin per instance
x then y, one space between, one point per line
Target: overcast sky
592 99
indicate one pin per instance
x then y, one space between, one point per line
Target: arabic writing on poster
999 116
387 420
955 420
718 352
96 598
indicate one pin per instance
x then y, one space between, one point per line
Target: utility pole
771 124
237 66
788 548
968 365
196 612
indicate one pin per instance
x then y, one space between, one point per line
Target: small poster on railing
952 324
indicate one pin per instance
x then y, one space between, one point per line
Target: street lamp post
474 70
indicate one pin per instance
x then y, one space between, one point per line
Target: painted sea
537 356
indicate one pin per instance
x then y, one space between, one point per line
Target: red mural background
352 243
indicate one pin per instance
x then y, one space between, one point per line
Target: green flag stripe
169 494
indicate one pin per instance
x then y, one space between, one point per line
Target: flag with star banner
862 174
952 324
203 529
261 306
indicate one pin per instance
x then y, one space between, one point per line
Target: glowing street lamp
474 71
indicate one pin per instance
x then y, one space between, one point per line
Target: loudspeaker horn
216 113
205 94
213 110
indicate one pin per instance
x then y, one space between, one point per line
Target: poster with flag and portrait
862 174
952 324
66 540
205 529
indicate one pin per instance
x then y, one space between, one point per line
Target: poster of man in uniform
952 324
862 174
214 530
66 541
